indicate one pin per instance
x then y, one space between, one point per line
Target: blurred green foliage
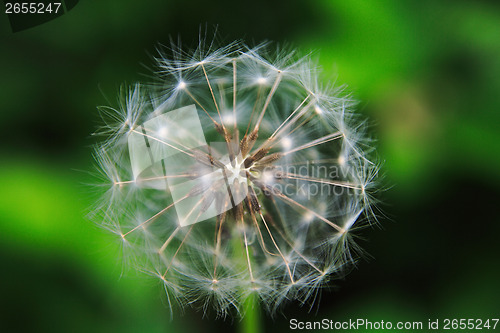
427 74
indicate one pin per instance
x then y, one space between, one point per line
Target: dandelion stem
250 309
251 321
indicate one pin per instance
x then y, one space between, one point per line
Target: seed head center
234 171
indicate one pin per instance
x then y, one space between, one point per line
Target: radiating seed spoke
326 138
295 203
277 248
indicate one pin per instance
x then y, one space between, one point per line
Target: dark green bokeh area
427 74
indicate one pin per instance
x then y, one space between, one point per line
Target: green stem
251 321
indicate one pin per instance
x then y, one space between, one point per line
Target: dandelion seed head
248 180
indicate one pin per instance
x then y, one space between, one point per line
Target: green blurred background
427 74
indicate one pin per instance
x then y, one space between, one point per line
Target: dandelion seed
246 181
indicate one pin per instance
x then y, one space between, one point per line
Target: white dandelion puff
236 174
